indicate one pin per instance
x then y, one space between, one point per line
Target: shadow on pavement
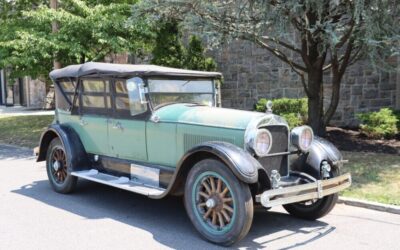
166 219
8 152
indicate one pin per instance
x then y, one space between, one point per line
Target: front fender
240 162
320 150
76 155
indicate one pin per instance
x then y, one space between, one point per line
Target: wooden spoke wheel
214 201
57 169
59 165
219 205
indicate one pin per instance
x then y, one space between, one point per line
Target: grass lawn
376 177
23 131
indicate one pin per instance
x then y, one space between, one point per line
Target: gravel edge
369 205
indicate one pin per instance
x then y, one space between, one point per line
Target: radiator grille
279 144
190 140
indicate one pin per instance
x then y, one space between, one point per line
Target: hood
206 116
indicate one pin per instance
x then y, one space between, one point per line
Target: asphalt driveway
32 216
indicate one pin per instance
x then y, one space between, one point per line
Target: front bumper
304 192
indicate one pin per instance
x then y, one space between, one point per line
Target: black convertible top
95 68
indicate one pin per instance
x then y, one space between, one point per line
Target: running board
119 182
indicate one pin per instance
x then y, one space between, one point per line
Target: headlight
262 142
302 137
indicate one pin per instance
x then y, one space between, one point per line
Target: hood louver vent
190 140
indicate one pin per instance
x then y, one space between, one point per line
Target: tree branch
280 55
284 44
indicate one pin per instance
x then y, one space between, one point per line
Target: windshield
164 91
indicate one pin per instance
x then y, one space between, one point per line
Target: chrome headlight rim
296 134
254 146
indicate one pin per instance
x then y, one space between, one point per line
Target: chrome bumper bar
304 192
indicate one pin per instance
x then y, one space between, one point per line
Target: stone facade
251 73
35 91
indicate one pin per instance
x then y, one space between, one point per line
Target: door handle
82 122
118 125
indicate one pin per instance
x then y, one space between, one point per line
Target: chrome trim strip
315 190
281 153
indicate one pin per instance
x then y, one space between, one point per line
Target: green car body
161 131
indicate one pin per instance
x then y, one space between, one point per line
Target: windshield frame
214 92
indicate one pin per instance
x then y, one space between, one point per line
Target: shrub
295 111
380 124
397 114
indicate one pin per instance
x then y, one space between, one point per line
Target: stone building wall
251 73
35 92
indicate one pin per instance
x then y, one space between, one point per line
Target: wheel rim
214 203
58 165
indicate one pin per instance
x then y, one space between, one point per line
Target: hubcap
56 165
214 203
210 203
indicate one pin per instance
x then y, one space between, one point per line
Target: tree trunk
315 101
54 29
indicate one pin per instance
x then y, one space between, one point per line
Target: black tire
316 209
234 207
60 180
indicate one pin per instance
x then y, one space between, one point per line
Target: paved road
32 216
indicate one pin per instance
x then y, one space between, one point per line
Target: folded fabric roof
93 68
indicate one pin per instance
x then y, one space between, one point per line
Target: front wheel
314 209
219 205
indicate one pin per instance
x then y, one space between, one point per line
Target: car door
95 107
127 127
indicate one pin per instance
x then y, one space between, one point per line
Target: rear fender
76 155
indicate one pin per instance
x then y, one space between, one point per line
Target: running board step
118 182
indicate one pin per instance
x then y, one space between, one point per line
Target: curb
370 205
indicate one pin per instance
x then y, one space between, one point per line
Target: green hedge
379 124
295 111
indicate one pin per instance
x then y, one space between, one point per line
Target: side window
95 97
129 98
65 90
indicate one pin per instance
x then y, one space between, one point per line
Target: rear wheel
219 205
57 170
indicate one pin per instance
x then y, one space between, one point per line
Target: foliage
195 58
397 114
293 110
382 123
87 31
169 49
311 36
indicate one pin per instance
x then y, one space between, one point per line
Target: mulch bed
353 140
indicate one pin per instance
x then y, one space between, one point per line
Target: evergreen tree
168 49
195 56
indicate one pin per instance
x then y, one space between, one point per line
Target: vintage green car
160 131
